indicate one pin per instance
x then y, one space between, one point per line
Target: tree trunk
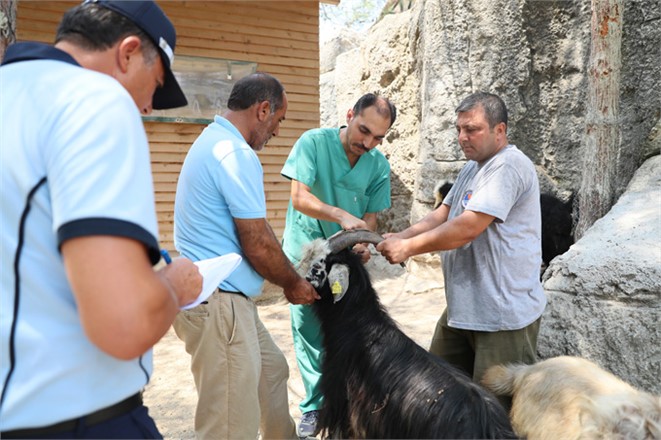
602 131
7 24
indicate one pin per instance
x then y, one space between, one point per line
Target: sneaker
308 425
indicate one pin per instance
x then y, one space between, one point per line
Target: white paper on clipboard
214 271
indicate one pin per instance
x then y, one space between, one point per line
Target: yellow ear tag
336 288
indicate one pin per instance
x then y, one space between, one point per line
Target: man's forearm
264 252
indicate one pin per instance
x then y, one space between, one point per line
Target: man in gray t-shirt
489 226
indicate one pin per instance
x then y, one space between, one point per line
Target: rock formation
535 55
605 292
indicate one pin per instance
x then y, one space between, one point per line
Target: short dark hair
494 107
255 88
383 106
96 28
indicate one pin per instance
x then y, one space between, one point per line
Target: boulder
605 292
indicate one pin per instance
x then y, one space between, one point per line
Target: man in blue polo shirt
81 305
240 373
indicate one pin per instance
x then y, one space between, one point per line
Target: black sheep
556 226
376 381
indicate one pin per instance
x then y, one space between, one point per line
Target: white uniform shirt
74 162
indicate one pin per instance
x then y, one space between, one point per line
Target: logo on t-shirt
466 198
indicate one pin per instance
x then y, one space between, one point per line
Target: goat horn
345 239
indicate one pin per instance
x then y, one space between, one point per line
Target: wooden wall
282 37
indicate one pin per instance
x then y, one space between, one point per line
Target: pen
166 256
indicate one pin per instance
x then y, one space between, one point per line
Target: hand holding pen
166 256
183 277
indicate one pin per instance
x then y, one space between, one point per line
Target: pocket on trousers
189 325
196 315
228 321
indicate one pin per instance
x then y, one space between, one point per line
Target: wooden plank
299 12
172 137
273 196
311 115
245 55
159 156
279 204
174 127
302 12
273 169
167 147
272 178
278 141
280 69
166 235
269 159
165 187
239 15
300 97
298 107
165 207
165 177
253 48
164 197
43 11
282 185
276 150
283 37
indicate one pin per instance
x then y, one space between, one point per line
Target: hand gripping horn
349 238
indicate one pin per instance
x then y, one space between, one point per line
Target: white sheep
572 398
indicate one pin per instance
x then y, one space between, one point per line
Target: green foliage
394 6
352 14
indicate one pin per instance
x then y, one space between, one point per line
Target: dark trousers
475 351
135 424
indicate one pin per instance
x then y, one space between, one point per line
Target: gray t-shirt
492 283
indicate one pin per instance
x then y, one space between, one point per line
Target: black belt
218 289
232 292
94 418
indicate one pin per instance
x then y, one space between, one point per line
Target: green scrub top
319 161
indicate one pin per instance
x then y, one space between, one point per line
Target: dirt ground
414 301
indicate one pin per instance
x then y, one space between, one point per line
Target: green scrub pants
308 340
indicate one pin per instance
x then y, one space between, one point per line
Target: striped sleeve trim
109 226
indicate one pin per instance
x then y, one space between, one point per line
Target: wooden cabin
279 37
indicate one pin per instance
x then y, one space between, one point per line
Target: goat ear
338 280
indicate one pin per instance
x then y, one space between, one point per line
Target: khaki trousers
240 374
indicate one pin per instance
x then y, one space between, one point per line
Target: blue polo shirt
74 161
221 179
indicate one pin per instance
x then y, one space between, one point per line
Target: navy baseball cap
149 17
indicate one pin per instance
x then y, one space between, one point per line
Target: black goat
376 381
556 221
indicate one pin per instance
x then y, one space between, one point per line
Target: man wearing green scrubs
339 180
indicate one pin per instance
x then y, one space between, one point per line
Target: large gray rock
343 42
534 54
605 292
